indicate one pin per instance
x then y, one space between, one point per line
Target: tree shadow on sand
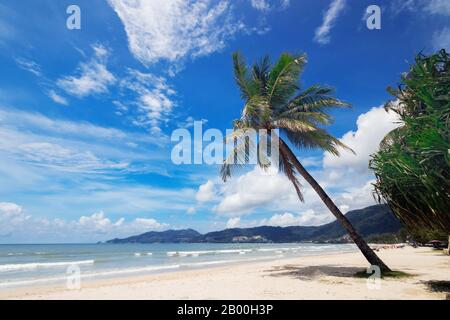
312 272
438 285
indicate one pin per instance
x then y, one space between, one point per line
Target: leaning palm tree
273 100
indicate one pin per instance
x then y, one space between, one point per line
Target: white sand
318 277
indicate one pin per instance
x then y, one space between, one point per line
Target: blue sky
86 115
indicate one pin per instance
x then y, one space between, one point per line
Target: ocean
36 264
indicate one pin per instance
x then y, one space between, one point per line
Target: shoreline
154 269
324 276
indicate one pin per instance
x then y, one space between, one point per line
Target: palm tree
273 100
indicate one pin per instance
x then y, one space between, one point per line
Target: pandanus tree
273 100
412 165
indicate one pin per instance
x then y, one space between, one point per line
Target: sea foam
36 265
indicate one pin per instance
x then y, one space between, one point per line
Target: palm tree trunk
370 255
448 246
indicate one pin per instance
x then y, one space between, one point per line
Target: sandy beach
315 277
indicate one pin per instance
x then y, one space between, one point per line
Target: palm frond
317 139
257 111
287 167
261 74
313 118
283 79
243 80
294 125
315 98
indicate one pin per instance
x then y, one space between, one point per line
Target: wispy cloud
440 7
92 77
174 30
329 19
441 39
285 4
435 7
29 66
7 32
57 98
153 99
261 5
189 122
66 146
267 5
65 158
398 6
36 69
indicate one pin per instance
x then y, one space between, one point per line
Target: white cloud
206 192
282 220
57 98
8 209
29 66
11 217
148 224
311 161
233 222
153 99
356 196
15 224
92 76
97 222
269 5
257 188
285 4
330 16
261 5
173 30
441 39
307 218
261 191
372 127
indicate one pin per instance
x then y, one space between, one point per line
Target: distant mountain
370 222
169 236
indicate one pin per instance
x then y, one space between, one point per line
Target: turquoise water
23 265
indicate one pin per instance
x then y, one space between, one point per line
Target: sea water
24 265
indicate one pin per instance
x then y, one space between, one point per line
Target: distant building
240 239
256 238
